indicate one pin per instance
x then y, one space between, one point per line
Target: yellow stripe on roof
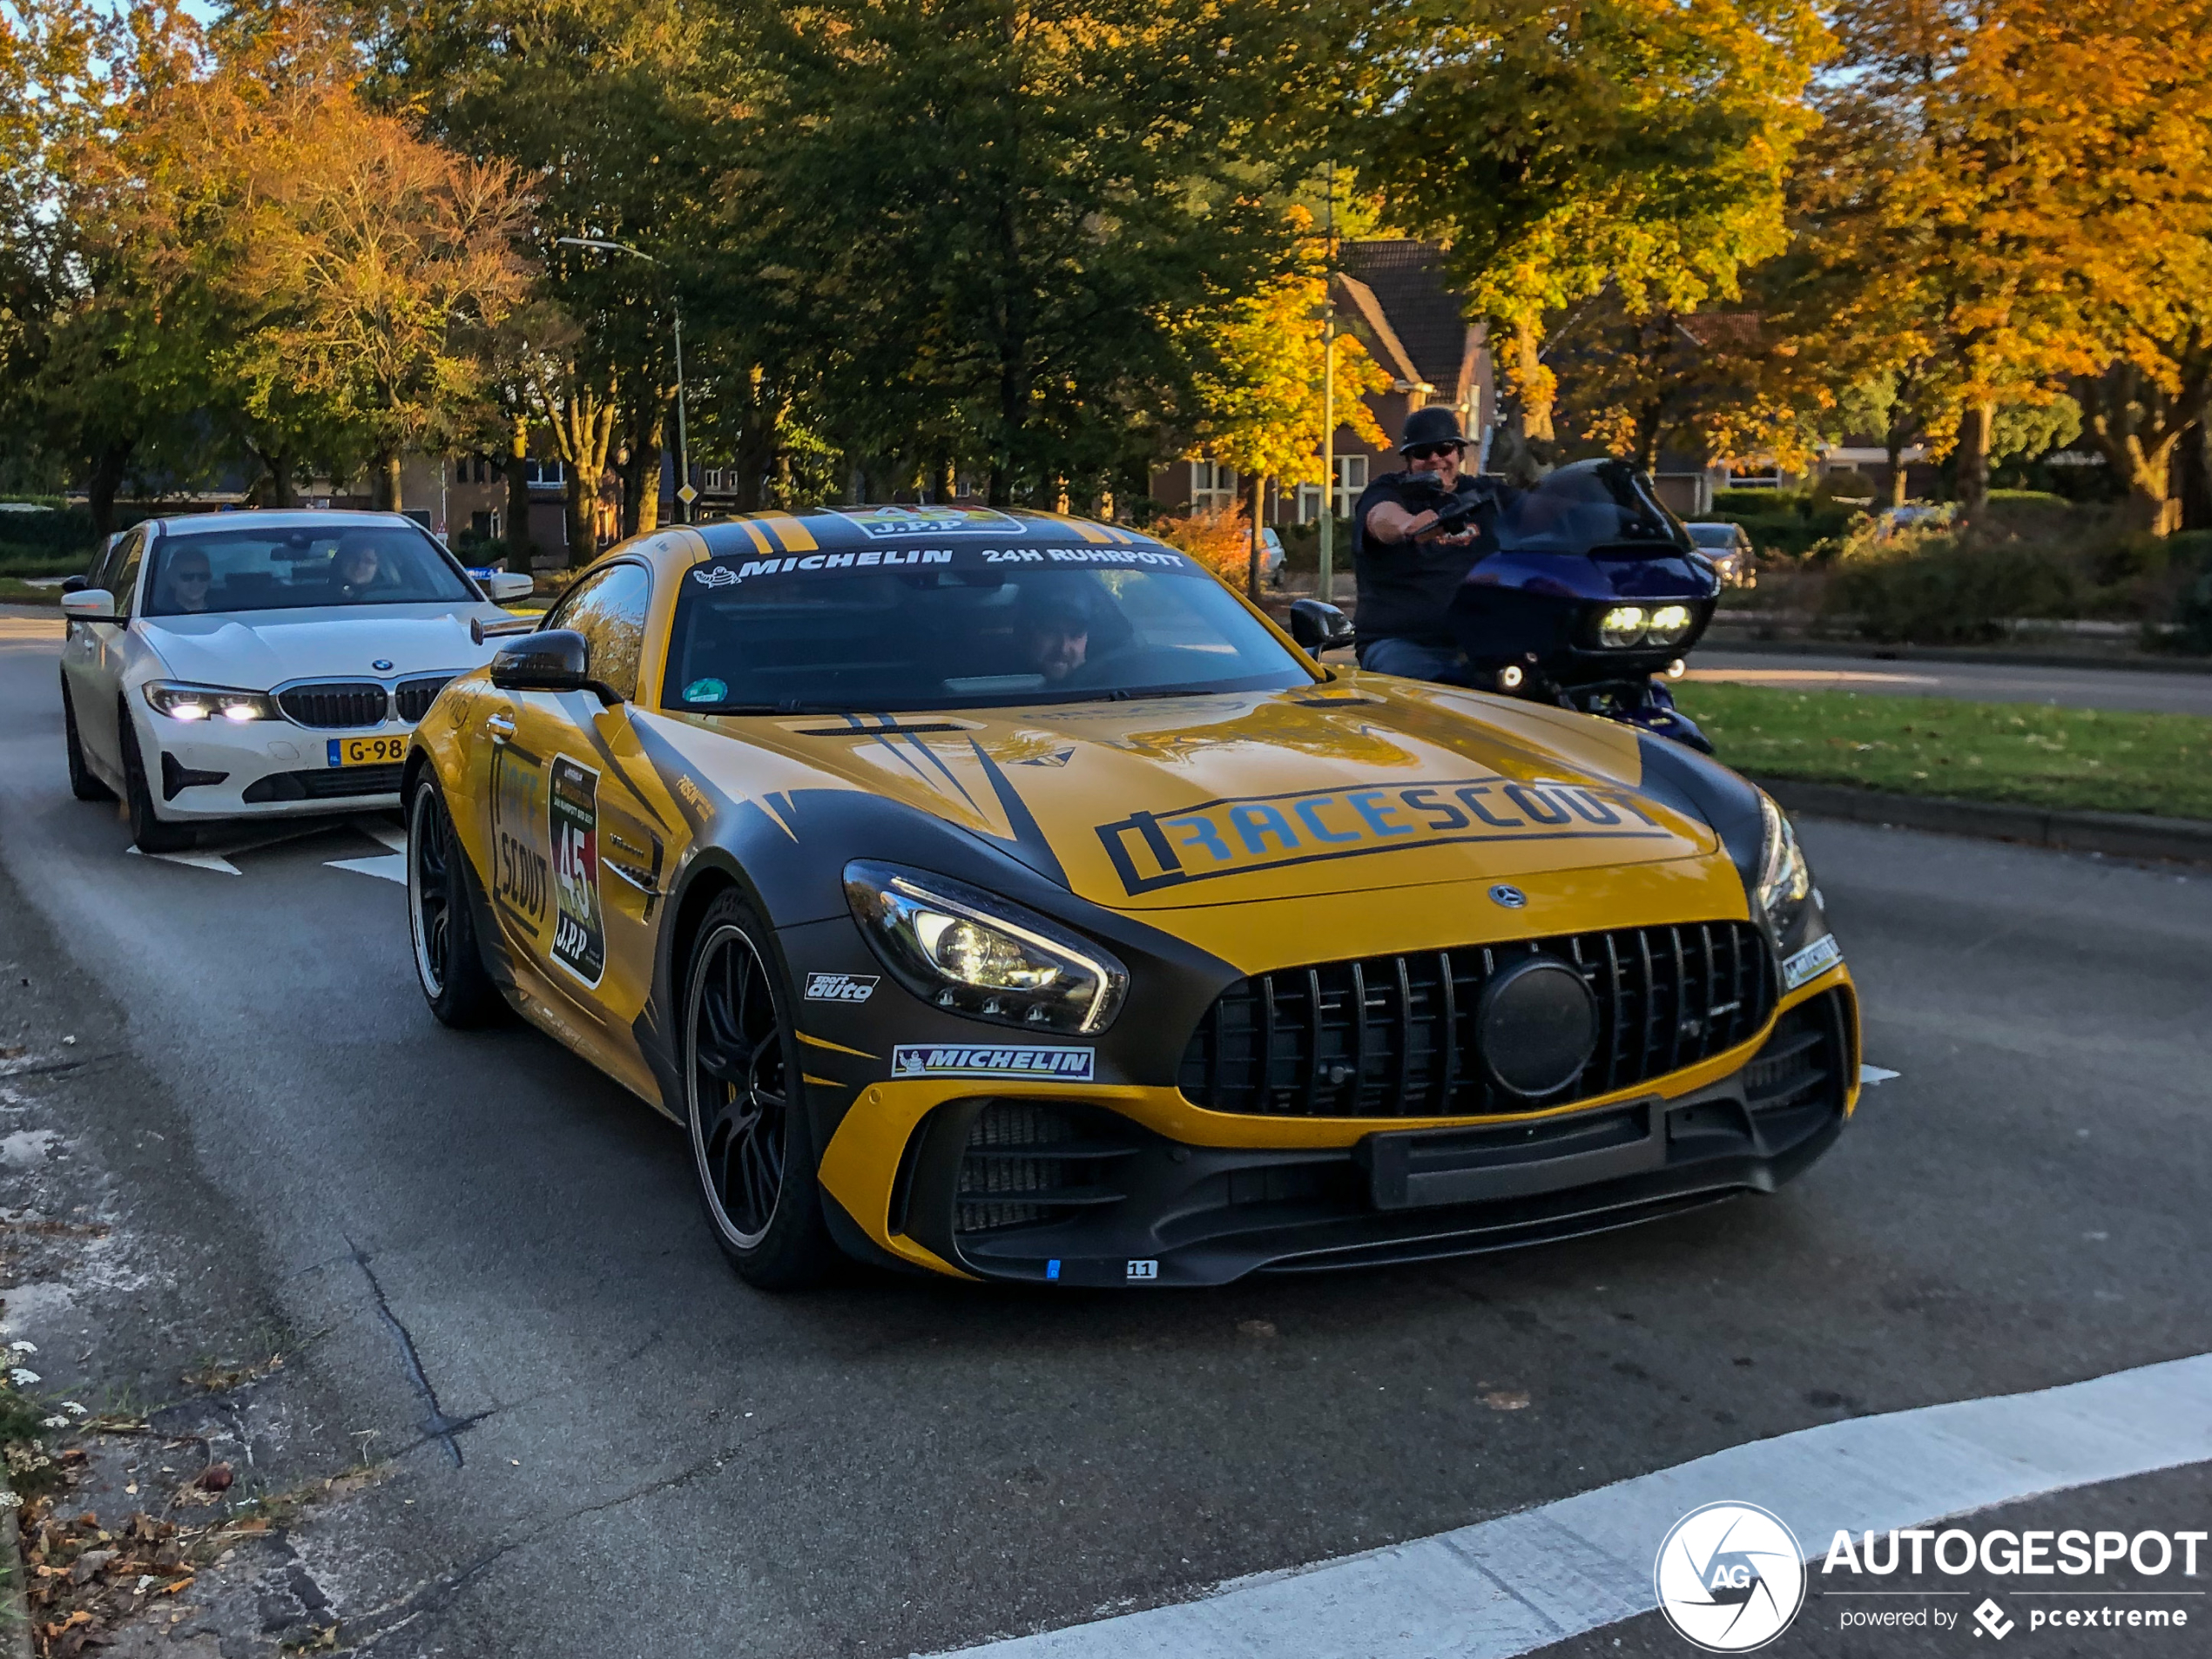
794 535
1089 532
759 542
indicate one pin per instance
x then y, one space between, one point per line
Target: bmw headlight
1785 879
969 951
183 702
1621 626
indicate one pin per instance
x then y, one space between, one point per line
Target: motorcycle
1589 597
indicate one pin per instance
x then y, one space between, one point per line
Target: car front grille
333 782
1028 1164
342 703
413 698
1394 1036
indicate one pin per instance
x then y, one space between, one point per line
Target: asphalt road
485 1262
2080 688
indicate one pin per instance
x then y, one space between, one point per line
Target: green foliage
2039 755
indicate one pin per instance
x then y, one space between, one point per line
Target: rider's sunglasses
1430 451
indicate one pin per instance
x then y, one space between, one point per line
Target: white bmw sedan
239 665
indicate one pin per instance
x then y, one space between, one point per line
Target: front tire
745 1105
82 783
149 833
449 961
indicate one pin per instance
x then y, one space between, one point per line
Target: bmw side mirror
1317 627
89 604
556 660
502 585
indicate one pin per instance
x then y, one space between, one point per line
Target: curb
1997 657
2128 835
15 1599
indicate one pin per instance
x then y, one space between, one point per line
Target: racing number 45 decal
572 812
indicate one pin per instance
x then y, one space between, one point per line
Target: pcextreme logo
1730 1577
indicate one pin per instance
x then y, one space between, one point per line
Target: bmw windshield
889 629
279 568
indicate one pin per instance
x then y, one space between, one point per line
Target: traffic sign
687 495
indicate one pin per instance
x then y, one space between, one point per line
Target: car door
578 853
94 655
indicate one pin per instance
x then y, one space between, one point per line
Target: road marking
392 866
1525 1580
377 829
1810 676
194 861
1877 1075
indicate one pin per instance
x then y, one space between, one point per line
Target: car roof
892 524
277 518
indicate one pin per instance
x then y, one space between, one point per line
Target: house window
713 478
1213 487
484 527
544 472
1351 482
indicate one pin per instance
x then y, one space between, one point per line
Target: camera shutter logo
1730 1577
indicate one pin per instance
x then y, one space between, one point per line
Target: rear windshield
1713 535
274 569
966 627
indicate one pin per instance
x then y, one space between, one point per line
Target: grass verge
2024 753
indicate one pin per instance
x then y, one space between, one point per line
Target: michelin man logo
1730 1577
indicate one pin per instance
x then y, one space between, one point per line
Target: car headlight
971 952
1621 626
1667 625
182 702
1784 877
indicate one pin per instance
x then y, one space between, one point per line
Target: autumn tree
1561 149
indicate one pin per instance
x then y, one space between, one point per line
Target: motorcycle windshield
1586 506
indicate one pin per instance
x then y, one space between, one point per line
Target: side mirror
502 585
89 604
1318 627
557 660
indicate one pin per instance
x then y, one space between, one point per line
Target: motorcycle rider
1415 533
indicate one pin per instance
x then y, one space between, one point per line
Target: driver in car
1056 636
355 567
184 582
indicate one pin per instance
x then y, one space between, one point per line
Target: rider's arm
1390 523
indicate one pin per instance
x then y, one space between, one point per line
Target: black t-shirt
1405 588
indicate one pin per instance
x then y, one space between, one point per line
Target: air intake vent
1029 1164
1396 1036
413 698
335 704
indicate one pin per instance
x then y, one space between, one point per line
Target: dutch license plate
369 752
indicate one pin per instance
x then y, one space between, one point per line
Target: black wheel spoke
739 1109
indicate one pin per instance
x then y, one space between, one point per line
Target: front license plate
369 752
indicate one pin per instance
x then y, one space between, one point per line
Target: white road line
195 861
377 830
392 866
1521 1582
1877 1075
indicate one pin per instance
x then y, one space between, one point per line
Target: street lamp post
676 306
1328 404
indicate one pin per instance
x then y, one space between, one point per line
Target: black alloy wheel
82 783
149 833
750 1141
448 963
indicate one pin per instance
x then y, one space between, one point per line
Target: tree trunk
1251 557
384 483
641 468
1648 423
582 501
521 550
102 483
1975 421
2151 503
1893 442
2193 476
1525 435
944 482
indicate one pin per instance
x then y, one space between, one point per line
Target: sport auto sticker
840 988
1237 835
572 816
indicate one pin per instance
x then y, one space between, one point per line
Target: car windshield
273 568
1713 535
1582 506
892 629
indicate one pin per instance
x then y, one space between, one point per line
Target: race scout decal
521 883
572 805
1237 836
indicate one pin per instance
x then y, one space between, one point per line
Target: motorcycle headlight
971 952
1621 626
182 702
1667 625
1784 877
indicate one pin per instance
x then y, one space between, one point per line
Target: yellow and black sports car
998 894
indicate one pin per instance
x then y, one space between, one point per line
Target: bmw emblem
383 664
1511 897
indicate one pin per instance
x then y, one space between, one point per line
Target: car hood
1360 785
255 650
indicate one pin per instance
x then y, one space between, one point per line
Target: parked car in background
241 665
1271 558
1728 547
1891 520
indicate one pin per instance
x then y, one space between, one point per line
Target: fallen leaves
1506 1399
